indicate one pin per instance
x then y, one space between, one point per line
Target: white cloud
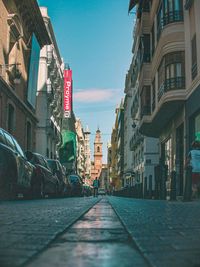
97 95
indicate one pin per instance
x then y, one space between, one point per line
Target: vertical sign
67 93
33 71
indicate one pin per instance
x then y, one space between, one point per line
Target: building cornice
32 16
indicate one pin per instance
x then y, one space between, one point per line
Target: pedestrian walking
95 187
194 162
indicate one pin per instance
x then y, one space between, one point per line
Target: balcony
171 84
136 139
171 98
169 17
49 90
49 56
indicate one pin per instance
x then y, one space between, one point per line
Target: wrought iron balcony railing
176 83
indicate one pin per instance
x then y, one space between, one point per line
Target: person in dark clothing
95 187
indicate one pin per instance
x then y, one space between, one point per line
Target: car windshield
52 164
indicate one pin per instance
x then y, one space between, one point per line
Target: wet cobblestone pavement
167 233
87 232
96 240
27 227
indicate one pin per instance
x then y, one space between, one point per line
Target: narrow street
97 239
103 231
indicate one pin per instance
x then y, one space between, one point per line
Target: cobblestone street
167 233
27 227
75 231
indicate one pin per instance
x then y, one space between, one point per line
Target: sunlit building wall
49 104
20 46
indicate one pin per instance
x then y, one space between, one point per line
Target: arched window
98 149
11 118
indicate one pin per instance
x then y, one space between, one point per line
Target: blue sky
95 38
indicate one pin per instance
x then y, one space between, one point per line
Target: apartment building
80 153
141 151
22 35
168 58
87 154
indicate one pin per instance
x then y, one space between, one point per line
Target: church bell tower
98 153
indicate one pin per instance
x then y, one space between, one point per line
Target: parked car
16 172
101 192
87 190
58 169
76 185
44 182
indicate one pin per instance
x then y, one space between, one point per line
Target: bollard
188 184
173 186
150 186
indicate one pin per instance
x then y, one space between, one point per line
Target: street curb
131 237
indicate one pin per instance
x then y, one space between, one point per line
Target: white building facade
141 152
80 153
87 154
49 102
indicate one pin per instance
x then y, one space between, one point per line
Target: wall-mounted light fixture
134 123
12 71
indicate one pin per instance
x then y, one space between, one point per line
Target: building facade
49 102
80 152
23 34
87 155
120 142
115 179
168 59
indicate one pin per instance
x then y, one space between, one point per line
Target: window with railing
171 73
169 11
144 48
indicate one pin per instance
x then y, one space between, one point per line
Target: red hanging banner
67 93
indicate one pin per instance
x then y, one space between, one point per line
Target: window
146 47
11 118
169 11
98 149
171 73
146 101
194 57
174 71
